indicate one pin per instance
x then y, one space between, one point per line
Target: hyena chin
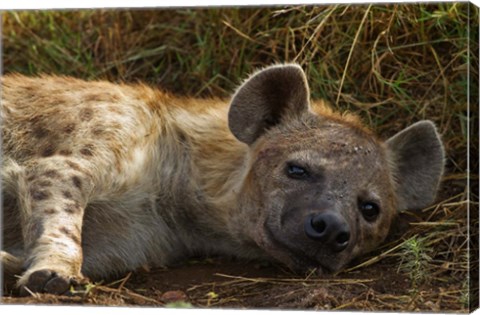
100 178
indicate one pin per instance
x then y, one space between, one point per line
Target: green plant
416 258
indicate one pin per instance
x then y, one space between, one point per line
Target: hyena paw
46 281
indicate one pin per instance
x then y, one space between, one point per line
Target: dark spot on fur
182 137
67 194
87 150
69 234
35 119
49 150
65 152
64 230
51 174
50 211
98 130
86 114
39 194
40 132
36 229
71 209
69 128
77 182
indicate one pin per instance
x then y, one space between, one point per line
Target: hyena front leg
53 195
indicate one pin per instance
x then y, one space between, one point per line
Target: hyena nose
329 228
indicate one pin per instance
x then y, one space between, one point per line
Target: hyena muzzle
100 178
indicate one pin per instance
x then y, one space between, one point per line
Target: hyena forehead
327 143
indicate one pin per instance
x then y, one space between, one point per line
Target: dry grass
392 64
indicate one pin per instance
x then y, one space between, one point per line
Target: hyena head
322 189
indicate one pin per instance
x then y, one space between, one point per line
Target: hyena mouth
294 257
304 263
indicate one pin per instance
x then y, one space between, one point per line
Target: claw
46 281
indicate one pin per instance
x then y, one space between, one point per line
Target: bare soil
233 284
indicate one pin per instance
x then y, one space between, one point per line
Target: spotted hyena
100 178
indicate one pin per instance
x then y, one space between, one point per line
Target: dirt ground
232 284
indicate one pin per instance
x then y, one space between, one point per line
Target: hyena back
100 178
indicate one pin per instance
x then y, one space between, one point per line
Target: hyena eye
370 210
296 172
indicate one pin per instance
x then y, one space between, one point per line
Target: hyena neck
213 163
217 159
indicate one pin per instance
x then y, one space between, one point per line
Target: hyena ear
417 157
265 98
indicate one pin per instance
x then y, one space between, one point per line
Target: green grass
410 59
416 258
400 49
